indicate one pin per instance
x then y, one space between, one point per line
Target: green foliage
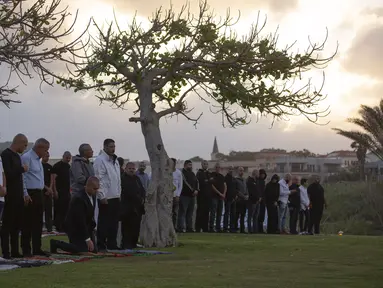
177 51
354 208
369 136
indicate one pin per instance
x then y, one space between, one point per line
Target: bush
354 208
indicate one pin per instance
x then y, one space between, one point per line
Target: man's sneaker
53 246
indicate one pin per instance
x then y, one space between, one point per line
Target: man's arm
180 184
101 173
78 173
25 160
79 213
224 189
12 172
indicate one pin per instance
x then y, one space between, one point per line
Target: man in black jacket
132 206
203 198
261 184
187 198
318 202
230 201
14 200
79 223
294 205
253 203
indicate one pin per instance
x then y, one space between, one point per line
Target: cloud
364 54
146 8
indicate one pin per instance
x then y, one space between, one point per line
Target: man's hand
177 199
195 193
26 168
27 200
3 191
104 201
275 203
49 192
90 245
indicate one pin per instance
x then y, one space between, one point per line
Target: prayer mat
139 252
22 263
47 234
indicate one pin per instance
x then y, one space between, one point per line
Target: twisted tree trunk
156 227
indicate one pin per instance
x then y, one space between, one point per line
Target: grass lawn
225 260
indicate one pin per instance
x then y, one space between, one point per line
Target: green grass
225 261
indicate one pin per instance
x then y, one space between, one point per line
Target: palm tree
370 137
361 152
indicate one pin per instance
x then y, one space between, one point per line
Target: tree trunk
157 226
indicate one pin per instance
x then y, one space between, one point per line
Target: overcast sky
355 77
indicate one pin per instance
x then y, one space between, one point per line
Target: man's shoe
27 255
17 255
53 246
41 253
7 256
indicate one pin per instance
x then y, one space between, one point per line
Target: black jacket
13 171
295 198
132 195
272 191
231 185
261 183
204 181
252 187
79 222
189 179
316 194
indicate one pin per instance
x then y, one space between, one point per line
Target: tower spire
215 149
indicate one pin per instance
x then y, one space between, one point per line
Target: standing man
304 213
34 207
48 192
132 204
81 168
243 197
14 199
177 182
294 205
261 184
187 198
3 190
203 198
271 200
144 177
230 201
107 169
254 203
318 203
61 174
284 193
218 189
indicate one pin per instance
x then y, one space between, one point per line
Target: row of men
239 197
28 192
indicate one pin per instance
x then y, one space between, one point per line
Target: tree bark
156 227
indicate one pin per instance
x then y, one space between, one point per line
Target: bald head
92 185
19 143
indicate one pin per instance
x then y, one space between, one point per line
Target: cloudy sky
355 77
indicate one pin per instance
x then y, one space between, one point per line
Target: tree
370 135
196 159
361 154
30 39
184 54
303 153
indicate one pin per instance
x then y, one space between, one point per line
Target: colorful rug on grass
62 258
47 234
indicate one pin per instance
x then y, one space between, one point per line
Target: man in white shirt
107 170
284 193
304 213
177 182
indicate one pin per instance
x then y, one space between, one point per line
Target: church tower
215 151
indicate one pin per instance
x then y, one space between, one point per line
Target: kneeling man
79 223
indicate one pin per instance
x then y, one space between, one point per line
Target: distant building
349 158
215 152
